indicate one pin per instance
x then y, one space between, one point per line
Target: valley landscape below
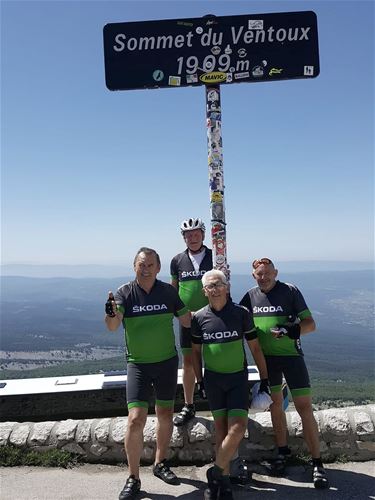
54 327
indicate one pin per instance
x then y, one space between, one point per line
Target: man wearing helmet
187 269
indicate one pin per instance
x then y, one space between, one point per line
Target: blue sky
89 175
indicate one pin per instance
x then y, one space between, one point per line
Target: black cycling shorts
185 340
142 377
294 370
227 393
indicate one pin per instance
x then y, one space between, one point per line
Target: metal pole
216 179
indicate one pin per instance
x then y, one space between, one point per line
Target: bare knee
188 362
136 422
237 429
164 414
305 411
277 402
221 430
304 407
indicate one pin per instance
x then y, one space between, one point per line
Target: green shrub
11 456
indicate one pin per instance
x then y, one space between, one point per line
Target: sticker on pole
211 50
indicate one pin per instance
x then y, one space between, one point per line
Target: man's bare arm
185 319
197 361
307 325
258 356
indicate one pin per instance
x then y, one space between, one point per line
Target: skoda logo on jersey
220 335
267 309
148 308
192 274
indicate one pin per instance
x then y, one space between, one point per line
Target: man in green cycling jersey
146 307
281 317
187 269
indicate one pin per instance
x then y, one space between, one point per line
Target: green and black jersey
148 321
221 334
189 280
283 304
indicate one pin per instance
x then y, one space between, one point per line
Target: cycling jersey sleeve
245 301
250 332
299 303
120 301
196 332
174 269
179 309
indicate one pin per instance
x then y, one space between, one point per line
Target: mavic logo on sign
220 335
192 274
267 309
214 77
148 308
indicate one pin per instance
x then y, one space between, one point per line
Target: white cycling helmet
260 401
191 224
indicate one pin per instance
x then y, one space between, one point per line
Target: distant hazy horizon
116 270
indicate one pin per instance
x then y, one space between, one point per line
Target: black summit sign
211 50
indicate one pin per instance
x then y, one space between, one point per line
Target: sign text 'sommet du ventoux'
207 50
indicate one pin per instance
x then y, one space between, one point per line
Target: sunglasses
259 262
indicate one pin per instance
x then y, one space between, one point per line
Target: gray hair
214 273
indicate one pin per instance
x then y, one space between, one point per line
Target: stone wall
349 432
